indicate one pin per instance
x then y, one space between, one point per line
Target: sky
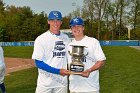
37 6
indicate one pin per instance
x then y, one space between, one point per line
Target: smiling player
50 57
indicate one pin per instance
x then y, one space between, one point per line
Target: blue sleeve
46 67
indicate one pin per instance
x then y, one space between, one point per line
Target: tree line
110 19
104 20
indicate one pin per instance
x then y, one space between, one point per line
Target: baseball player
2 71
88 81
50 57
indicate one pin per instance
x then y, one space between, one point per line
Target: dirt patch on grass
16 64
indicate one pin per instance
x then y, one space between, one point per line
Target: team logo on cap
55 14
76 20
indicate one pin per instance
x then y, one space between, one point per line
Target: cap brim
55 19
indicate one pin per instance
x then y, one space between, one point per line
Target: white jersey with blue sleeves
51 49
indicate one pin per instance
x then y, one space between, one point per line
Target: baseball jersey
1 58
95 53
2 66
51 49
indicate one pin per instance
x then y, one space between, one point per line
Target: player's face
77 30
55 25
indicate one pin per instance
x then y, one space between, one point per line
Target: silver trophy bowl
78 51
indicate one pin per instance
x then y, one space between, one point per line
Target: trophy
77 66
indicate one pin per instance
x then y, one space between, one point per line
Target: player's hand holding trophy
77 66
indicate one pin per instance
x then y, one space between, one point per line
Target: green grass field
18 52
121 73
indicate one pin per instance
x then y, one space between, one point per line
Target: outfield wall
103 43
29 43
120 43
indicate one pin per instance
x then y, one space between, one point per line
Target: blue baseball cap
55 15
76 21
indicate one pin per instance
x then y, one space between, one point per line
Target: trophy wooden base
76 68
75 73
